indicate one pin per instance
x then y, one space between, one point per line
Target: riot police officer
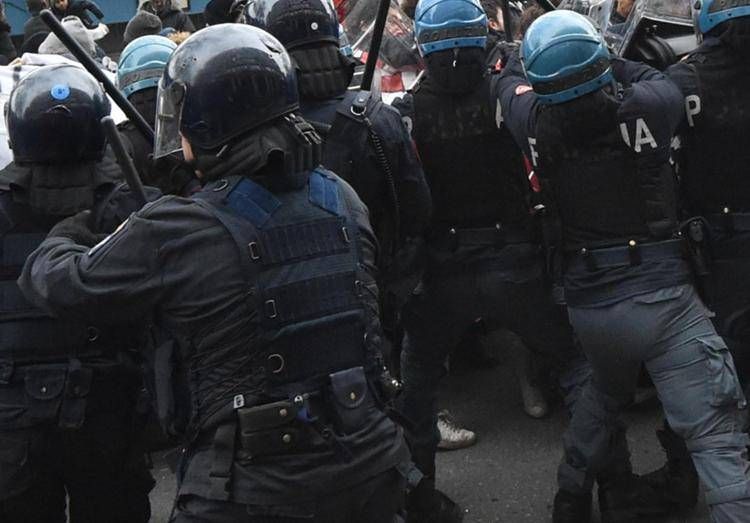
711 158
484 255
138 72
68 388
599 129
366 142
268 273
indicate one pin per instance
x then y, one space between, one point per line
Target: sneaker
534 403
452 435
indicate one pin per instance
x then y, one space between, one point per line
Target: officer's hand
77 228
91 6
507 50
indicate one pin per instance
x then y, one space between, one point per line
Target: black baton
507 21
375 42
123 158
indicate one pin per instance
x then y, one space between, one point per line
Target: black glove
84 9
512 65
77 228
116 207
507 50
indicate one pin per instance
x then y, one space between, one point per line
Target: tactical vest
322 112
46 364
716 151
473 166
28 334
605 194
307 294
363 147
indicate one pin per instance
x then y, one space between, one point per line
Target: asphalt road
509 475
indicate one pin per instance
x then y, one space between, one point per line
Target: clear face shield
599 11
170 98
661 12
398 51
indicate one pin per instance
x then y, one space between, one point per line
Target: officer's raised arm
106 281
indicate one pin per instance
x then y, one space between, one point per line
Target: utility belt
496 236
306 422
729 221
16 359
634 253
45 393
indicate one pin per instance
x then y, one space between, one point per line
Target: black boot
571 508
629 498
426 504
677 479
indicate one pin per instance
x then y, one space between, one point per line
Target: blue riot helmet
295 23
142 63
565 57
708 14
54 116
449 24
220 83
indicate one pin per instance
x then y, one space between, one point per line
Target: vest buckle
634 253
588 259
271 310
253 248
499 235
727 219
278 363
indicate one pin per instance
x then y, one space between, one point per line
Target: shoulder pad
324 191
252 201
361 102
358 104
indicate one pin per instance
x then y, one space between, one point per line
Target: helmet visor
168 118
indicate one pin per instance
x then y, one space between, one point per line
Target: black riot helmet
220 83
54 116
295 23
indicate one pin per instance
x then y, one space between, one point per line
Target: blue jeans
669 331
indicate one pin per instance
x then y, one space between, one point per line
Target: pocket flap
349 387
45 383
722 375
268 416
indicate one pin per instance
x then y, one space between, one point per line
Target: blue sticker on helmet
60 92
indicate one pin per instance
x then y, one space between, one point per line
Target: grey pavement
509 475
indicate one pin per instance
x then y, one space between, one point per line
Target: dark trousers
730 302
669 331
95 466
377 500
441 311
